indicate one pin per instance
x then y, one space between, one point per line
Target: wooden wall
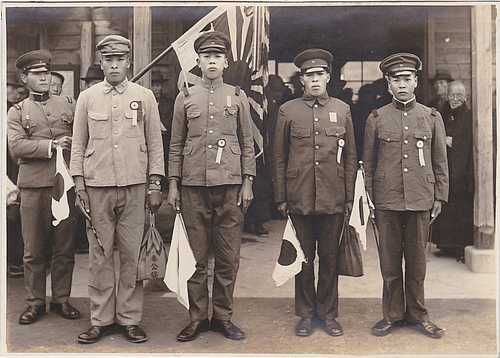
449 43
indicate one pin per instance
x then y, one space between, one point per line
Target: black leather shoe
192 330
333 328
228 329
65 310
94 334
135 334
383 328
304 327
429 329
32 314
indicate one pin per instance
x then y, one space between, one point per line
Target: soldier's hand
64 142
174 197
82 201
436 210
154 200
348 210
245 196
283 209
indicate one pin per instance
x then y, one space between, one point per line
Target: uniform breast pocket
389 138
300 133
133 124
423 136
335 136
194 125
230 117
98 125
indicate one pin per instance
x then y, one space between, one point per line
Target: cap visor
117 53
402 72
315 69
39 69
218 49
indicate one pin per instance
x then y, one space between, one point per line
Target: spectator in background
15 245
453 228
440 87
94 75
56 83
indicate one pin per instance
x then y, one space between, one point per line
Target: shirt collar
310 100
404 106
120 88
212 83
39 96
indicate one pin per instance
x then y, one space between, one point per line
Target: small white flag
64 182
291 256
360 211
181 263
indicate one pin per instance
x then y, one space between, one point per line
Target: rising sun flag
63 183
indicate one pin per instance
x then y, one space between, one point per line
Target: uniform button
115 132
405 114
316 146
405 141
115 146
317 132
315 106
211 117
115 119
210 131
211 103
316 163
405 156
316 119
113 94
210 146
211 91
406 128
115 106
48 113
405 170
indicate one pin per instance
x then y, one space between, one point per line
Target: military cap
114 45
400 63
57 74
12 80
94 72
35 61
313 60
214 41
442 75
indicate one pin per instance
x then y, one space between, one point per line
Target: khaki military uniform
32 125
117 145
203 116
311 135
406 170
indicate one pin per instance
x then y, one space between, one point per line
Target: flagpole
151 64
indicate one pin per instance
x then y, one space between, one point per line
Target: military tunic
314 167
406 170
117 145
203 117
32 125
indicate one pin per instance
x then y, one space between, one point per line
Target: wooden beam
142 43
87 49
430 55
43 38
482 116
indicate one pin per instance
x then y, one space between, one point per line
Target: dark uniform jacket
305 170
394 175
31 127
204 115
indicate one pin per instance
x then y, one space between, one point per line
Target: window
359 73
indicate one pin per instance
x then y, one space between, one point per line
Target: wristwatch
249 177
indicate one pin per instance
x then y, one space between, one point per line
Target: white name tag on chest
333 117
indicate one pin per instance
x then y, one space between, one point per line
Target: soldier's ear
198 61
226 62
327 77
301 79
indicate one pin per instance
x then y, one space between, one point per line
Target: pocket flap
143 147
193 114
300 132
423 135
335 131
235 148
431 179
98 116
390 136
232 110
